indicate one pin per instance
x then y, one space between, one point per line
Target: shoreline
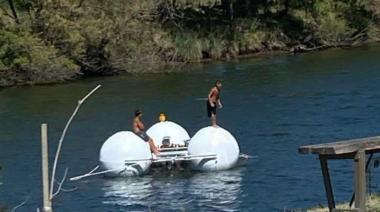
177 67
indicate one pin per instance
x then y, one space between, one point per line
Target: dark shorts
143 136
211 110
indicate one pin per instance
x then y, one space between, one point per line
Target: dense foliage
45 41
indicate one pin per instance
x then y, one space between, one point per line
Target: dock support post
360 180
327 182
45 170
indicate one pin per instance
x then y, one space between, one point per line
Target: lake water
272 106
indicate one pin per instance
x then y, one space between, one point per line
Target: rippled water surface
272 106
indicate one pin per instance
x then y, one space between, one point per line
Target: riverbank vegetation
48 41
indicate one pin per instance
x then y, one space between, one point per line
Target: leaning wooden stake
327 182
45 170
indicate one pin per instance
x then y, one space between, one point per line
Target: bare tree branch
61 141
60 184
92 173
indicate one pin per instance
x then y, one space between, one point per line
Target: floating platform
210 149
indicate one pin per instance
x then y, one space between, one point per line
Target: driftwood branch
302 48
80 102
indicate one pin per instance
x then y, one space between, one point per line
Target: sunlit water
271 105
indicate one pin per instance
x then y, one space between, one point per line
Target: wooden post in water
45 170
360 180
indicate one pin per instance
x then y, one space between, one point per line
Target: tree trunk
247 8
286 5
12 6
230 15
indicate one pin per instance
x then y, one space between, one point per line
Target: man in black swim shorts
138 129
211 110
143 135
213 99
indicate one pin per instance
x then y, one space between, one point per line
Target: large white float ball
214 140
122 146
178 135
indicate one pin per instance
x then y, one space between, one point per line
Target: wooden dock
355 149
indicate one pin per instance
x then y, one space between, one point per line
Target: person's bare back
138 129
137 125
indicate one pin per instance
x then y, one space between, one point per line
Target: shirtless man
213 99
138 129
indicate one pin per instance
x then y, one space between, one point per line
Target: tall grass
217 47
333 29
189 48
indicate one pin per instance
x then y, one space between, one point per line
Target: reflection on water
178 191
127 191
218 190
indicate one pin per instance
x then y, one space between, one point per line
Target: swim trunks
143 136
211 110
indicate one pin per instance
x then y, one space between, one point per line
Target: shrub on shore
26 59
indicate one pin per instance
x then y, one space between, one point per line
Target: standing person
213 98
138 129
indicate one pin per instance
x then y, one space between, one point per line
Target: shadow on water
177 191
